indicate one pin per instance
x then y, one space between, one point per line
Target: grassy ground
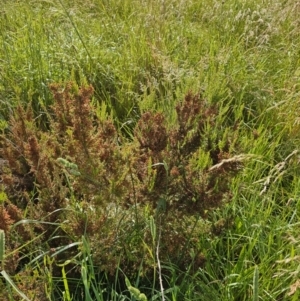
146 55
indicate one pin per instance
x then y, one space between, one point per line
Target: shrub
77 178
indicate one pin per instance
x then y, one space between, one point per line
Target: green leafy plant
135 292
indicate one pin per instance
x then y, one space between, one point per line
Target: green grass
146 55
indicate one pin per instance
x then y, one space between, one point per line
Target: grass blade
10 281
255 284
2 247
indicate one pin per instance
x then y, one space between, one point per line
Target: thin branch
159 266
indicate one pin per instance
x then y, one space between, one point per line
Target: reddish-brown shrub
77 175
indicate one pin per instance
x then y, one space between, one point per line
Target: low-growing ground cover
149 150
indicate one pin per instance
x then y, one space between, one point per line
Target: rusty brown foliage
105 187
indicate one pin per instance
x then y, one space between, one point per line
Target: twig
159 266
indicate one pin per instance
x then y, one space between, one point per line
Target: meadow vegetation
149 150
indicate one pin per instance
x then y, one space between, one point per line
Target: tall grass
141 55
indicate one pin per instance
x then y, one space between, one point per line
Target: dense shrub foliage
81 175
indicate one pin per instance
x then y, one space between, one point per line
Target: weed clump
77 179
